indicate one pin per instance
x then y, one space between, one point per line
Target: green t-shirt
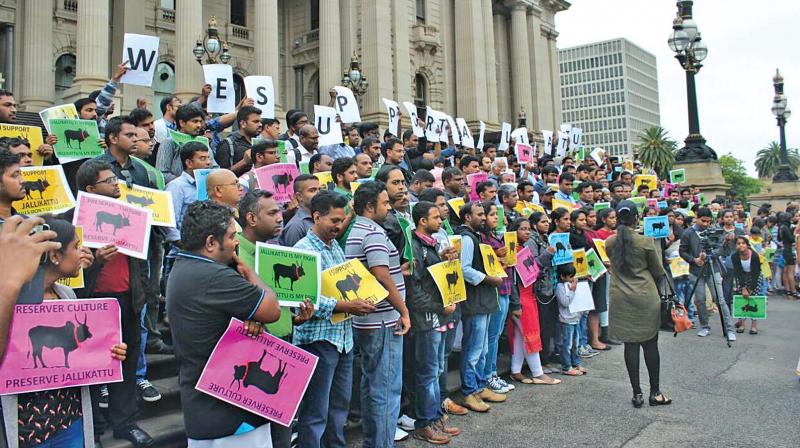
155 176
283 326
342 240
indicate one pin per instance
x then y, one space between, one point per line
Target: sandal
572 372
655 401
582 370
546 380
740 329
637 400
520 378
752 331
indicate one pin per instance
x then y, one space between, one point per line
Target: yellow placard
647 179
456 204
679 267
535 208
600 245
46 191
627 165
580 263
491 263
325 180
32 133
75 282
350 281
157 201
561 203
449 278
766 271
455 241
510 239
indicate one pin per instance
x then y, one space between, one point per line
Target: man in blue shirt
564 192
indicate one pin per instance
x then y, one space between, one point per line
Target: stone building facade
477 59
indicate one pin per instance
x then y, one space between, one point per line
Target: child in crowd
565 293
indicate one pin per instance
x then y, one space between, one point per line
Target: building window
168 4
238 12
163 85
238 87
420 11
314 14
65 73
420 94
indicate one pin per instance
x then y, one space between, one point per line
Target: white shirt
162 129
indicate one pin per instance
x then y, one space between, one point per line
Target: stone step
161 366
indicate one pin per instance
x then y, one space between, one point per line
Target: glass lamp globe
678 41
212 44
355 75
690 28
700 50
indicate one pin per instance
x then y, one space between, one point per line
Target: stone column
470 63
375 63
503 89
92 58
330 46
38 76
534 117
8 70
189 28
541 73
491 62
267 47
447 102
298 87
127 18
520 61
555 79
402 52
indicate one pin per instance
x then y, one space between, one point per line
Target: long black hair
602 215
627 217
555 215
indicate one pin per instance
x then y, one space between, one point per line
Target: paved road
745 396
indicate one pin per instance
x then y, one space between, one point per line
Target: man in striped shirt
379 335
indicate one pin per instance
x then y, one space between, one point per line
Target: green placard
501 219
641 203
601 205
77 139
408 253
374 172
677 176
304 168
769 254
153 173
702 198
753 307
595 264
447 227
180 138
282 151
294 274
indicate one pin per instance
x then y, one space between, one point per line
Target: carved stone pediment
425 38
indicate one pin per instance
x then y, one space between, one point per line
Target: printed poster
75 282
61 111
473 180
200 177
349 281
46 191
279 179
157 201
679 267
579 261
641 203
656 226
753 307
455 242
111 221
325 180
601 205
61 343
408 229
294 274
510 238
31 133
524 152
491 264
526 267
561 203
456 204
180 138
677 176
449 278
600 245
560 241
595 265
264 375
77 139
141 53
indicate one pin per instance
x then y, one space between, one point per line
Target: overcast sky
746 41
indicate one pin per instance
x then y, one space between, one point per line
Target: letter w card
61 343
263 375
294 274
110 221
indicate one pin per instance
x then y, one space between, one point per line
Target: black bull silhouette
251 373
293 272
282 180
750 308
452 280
67 337
351 283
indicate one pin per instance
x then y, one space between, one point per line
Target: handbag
674 316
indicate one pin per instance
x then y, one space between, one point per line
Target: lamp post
690 51
211 47
355 79
782 113
522 117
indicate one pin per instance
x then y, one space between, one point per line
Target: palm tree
768 159
657 150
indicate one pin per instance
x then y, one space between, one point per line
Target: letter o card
264 375
157 201
61 343
46 191
110 221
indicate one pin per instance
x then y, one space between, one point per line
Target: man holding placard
234 152
189 121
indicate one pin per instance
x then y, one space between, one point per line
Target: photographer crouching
701 247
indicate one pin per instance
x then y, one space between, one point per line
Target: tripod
708 272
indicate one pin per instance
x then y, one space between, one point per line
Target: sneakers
147 392
103 403
400 435
475 403
431 435
505 383
488 395
496 385
451 407
703 332
583 352
731 336
406 423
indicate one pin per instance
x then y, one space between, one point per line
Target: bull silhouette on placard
452 279
251 373
293 272
491 259
351 283
36 185
561 248
78 135
141 201
579 261
67 337
750 308
282 179
512 246
657 226
591 263
528 264
118 221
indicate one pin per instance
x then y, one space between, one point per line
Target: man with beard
372 147
234 152
364 165
306 186
189 119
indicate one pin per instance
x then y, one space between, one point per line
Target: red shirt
115 276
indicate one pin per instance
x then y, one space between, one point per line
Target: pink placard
473 180
524 153
110 221
668 187
263 375
527 268
437 176
652 202
279 179
61 343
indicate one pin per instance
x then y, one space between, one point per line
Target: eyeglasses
233 184
113 180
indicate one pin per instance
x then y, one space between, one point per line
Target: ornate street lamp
211 46
782 113
355 79
690 51
522 117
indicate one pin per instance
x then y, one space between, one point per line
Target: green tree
657 150
768 159
735 173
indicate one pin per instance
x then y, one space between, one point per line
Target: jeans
429 351
727 288
323 411
153 293
68 438
497 322
683 289
381 383
474 347
449 339
583 330
700 300
569 350
141 364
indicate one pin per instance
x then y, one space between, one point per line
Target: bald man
223 187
